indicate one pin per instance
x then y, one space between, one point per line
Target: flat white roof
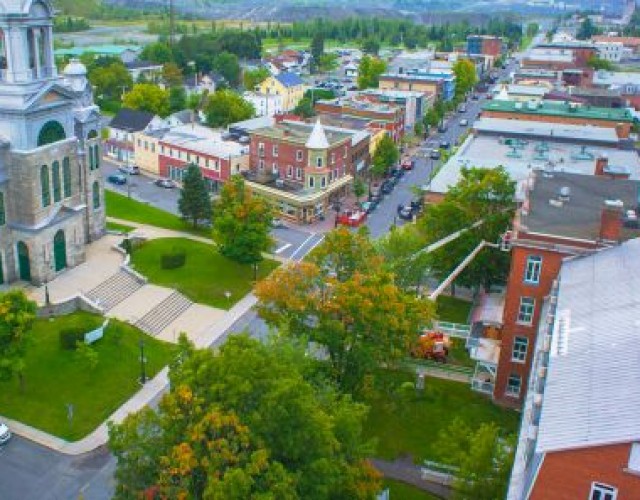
203 140
526 90
616 78
592 391
489 152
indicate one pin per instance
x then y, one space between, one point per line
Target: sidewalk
151 390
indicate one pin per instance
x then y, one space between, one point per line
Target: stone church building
51 188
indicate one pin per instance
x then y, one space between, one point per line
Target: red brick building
580 431
485 45
380 116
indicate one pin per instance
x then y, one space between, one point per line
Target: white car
464 122
5 433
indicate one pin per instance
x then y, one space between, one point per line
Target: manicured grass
122 207
409 423
453 309
206 275
114 226
55 377
403 491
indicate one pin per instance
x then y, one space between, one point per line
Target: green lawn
452 309
403 491
205 277
410 424
56 377
114 226
121 207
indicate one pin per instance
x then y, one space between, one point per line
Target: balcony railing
453 329
482 386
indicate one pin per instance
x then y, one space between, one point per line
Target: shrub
69 337
177 258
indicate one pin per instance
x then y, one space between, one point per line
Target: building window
333 158
162 148
171 152
261 149
96 153
532 271
275 150
311 182
601 491
66 176
274 168
96 195
319 162
44 186
289 171
153 147
261 165
525 312
346 150
519 352
513 385
323 182
3 215
298 155
139 143
51 132
188 156
298 173
146 145
55 176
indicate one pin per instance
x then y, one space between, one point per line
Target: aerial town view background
319 249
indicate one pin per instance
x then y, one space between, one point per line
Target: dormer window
319 162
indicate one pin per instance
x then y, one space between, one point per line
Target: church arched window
55 176
44 186
51 132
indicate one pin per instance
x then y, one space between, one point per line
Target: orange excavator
431 345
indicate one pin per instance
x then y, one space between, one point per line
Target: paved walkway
403 469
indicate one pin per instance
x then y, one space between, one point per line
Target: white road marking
282 248
292 256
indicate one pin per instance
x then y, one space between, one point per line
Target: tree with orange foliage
344 300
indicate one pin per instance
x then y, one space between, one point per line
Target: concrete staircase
114 290
165 313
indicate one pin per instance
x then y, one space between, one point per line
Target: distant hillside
79 8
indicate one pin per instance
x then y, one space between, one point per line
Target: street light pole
143 376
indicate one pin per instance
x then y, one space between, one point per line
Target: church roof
21 6
318 138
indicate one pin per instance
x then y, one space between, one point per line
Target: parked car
408 164
435 154
387 187
277 222
397 172
464 122
5 433
417 204
130 169
368 206
445 144
165 183
462 109
475 97
442 128
117 179
405 212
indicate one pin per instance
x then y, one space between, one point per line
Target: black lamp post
143 375
337 206
255 271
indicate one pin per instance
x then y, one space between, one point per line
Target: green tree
483 458
344 300
172 75
359 188
253 77
87 355
371 46
317 49
177 99
418 129
194 203
241 223
158 52
110 81
598 63
244 422
369 72
148 97
400 250
385 156
328 62
586 30
225 106
304 108
480 194
228 66
17 315
466 76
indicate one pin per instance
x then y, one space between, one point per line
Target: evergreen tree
194 203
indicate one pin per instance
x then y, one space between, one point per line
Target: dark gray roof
131 120
580 216
142 65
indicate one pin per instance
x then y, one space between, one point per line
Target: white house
265 104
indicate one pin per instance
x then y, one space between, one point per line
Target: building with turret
51 189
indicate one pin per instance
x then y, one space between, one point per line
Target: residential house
144 70
626 83
126 53
415 104
442 85
123 126
289 86
265 104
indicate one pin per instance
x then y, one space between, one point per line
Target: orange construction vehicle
431 345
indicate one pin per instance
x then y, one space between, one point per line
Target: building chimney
611 220
601 164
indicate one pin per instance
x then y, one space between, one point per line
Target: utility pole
172 25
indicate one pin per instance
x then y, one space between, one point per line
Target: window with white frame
261 149
600 491
261 165
333 158
532 269
513 385
319 162
311 182
519 352
289 171
525 312
298 173
299 155
274 168
323 182
275 150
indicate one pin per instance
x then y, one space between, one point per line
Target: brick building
386 116
557 112
304 169
441 85
563 215
580 431
485 45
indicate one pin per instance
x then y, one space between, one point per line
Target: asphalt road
29 471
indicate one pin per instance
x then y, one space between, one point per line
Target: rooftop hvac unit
537 399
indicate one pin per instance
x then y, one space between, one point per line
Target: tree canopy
369 72
194 203
251 421
228 66
225 106
17 315
148 97
385 156
466 77
480 194
241 223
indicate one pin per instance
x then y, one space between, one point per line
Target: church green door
23 262
59 251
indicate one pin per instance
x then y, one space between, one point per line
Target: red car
408 164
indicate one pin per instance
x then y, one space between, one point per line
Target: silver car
5 433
